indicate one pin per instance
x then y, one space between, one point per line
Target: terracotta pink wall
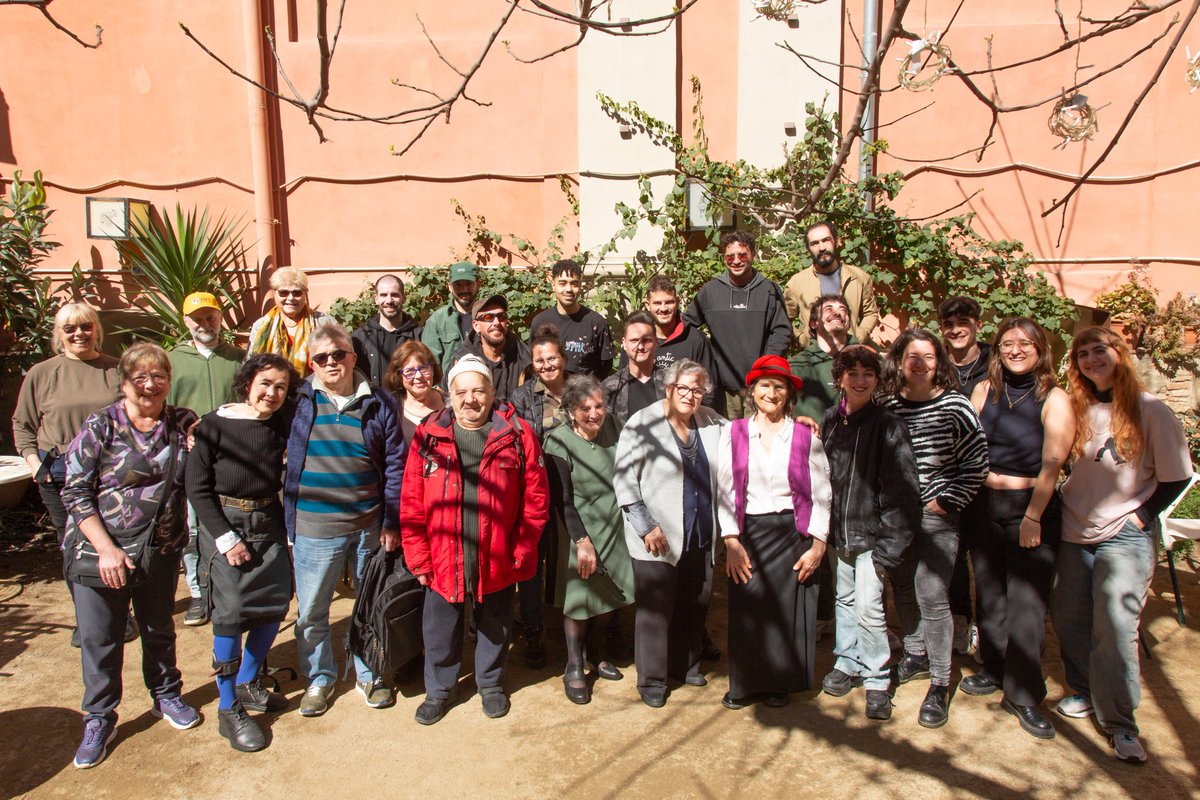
1132 220
148 111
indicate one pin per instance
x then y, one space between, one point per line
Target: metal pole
870 42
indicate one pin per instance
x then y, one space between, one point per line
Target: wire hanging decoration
1073 120
927 61
778 10
1192 75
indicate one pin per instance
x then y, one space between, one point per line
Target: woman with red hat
774 515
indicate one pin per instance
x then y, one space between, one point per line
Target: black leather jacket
876 499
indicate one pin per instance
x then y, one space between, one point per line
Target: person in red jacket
471 512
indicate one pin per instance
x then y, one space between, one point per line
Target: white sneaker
1076 706
1126 747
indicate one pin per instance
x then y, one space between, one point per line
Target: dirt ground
819 746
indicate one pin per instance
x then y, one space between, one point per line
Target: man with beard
448 327
745 315
829 320
378 337
828 274
202 372
505 355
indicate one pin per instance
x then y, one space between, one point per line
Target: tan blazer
857 287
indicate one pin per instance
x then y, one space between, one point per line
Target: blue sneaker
97 734
175 711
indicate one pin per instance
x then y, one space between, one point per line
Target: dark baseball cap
491 301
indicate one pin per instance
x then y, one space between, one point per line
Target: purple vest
798 475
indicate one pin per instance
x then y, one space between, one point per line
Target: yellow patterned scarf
272 337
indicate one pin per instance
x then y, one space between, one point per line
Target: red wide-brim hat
773 367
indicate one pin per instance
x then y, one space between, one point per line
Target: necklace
1011 402
964 370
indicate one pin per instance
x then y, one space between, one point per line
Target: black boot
535 648
240 729
936 708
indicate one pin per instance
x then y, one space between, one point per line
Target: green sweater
815 367
202 384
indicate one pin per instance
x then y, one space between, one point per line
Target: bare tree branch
1166 59
41 6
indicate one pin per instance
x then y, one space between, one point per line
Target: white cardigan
650 469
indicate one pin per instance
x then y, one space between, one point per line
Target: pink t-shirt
1104 490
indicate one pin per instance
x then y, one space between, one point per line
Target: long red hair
1127 430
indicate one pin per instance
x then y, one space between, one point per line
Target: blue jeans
191 556
1096 606
860 641
318 567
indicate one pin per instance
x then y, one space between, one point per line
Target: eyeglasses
685 391
142 380
548 361
290 292
412 372
492 316
336 356
1024 345
734 257
86 327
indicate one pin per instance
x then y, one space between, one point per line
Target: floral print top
116 471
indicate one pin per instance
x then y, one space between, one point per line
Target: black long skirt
773 617
254 593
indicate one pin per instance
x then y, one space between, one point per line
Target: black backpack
385 627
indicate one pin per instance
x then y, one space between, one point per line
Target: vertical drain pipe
870 43
260 138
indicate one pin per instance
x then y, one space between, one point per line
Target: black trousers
442 625
100 615
672 604
52 499
1012 589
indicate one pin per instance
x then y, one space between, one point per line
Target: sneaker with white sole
375 693
315 701
97 735
1126 747
1076 706
175 711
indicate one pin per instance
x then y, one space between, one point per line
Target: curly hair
262 362
944 374
579 388
739 237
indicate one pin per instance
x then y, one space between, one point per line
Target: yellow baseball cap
198 300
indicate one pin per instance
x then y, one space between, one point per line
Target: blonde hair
288 276
1126 425
73 314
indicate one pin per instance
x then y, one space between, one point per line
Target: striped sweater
949 444
339 487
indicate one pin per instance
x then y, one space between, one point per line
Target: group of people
510 472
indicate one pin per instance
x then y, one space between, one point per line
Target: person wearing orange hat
202 373
773 506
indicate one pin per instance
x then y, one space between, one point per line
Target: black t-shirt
586 340
641 394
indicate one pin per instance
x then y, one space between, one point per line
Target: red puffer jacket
513 505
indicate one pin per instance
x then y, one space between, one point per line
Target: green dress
584 501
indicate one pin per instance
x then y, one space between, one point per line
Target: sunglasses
290 292
86 327
336 356
492 316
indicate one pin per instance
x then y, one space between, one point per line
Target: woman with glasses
413 376
595 576
774 512
284 330
1015 523
666 484
57 395
124 497
540 403
952 462
1129 460
233 481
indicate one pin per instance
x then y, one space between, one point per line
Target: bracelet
1031 519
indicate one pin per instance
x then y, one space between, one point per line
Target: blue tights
225 648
